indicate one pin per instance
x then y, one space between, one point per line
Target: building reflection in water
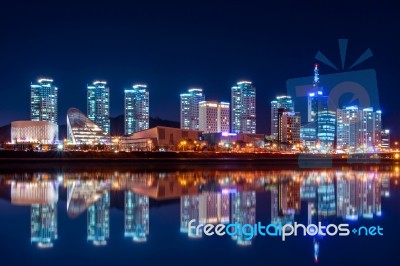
136 216
211 196
42 197
92 196
98 221
243 211
189 211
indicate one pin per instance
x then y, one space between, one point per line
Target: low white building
44 132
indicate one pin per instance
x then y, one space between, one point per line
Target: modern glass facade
324 119
44 101
243 108
136 109
308 135
284 102
359 129
347 127
98 104
81 130
190 108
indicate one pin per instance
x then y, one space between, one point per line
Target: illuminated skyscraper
136 109
98 104
44 101
289 127
136 216
281 102
320 115
190 108
243 108
359 129
98 221
213 117
370 129
347 127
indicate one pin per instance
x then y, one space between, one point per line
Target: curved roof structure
81 130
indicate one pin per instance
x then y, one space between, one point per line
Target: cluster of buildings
219 124
198 117
90 128
328 128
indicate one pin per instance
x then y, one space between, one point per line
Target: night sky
174 45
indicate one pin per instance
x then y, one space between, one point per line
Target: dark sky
173 45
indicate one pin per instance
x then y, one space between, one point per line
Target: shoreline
147 159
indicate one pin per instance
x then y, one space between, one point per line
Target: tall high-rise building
370 128
243 108
284 102
347 127
213 116
98 104
44 101
289 127
358 128
319 114
136 109
190 108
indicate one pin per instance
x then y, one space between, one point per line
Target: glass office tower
243 108
44 101
136 109
98 104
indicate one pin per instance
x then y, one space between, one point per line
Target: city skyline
174 52
321 130
199 132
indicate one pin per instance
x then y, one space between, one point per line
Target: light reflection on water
209 196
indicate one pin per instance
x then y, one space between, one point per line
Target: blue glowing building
243 108
98 104
136 109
